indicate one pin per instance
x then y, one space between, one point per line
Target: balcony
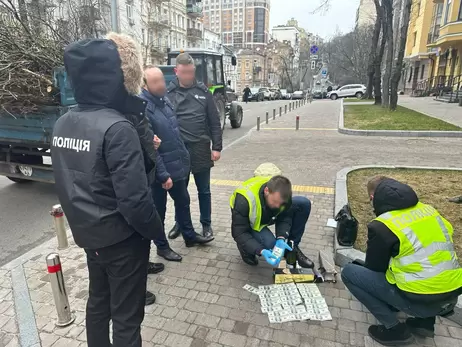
194 10
450 34
157 50
194 33
156 22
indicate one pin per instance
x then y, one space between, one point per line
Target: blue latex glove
281 243
270 257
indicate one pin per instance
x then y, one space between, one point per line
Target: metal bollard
297 122
267 117
58 218
258 123
274 113
290 107
58 287
285 107
280 111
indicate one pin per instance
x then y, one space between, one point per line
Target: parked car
268 95
231 94
285 94
277 93
349 90
256 94
298 95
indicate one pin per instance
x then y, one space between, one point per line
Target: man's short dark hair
374 183
281 185
184 59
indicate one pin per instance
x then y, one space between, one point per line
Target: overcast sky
341 15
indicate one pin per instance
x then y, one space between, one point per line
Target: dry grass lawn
433 187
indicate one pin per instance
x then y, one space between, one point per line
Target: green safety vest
427 262
250 189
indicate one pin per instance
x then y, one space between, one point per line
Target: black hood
392 195
95 71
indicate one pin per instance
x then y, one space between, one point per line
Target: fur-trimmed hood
104 72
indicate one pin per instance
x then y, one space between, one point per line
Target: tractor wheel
220 102
237 114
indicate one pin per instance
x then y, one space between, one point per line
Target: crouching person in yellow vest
410 266
261 202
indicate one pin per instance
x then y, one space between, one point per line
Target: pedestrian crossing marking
295 188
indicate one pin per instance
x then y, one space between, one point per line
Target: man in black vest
200 129
102 184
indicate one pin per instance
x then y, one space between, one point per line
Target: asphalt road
25 221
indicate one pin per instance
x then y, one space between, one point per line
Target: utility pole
114 16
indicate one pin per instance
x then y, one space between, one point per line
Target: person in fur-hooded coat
100 164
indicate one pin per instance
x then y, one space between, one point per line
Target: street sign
314 57
314 49
324 72
313 65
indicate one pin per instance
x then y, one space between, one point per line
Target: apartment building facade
289 35
435 40
366 13
241 23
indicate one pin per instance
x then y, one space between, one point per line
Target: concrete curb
393 133
344 255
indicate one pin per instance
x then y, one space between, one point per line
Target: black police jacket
97 157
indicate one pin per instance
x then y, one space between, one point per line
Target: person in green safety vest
411 265
264 201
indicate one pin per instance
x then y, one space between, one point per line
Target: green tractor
209 70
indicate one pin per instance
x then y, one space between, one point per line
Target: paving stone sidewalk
451 113
200 302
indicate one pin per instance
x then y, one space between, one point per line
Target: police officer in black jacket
102 184
200 129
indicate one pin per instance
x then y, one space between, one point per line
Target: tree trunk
374 54
388 10
401 48
23 13
379 58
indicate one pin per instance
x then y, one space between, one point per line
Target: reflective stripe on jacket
427 262
250 189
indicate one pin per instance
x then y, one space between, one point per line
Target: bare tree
398 68
388 34
373 56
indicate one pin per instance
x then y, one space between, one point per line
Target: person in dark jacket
173 165
246 95
395 277
102 185
275 205
200 129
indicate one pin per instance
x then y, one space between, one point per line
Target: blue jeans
302 212
202 180
180 196
373 291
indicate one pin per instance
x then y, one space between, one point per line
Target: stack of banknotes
291 302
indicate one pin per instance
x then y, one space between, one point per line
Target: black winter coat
97 157
199 122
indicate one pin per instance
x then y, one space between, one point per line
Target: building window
129 6
415 38
459 17
410 74
422 72
448 12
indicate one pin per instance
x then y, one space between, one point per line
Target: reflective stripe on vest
250 189
419 267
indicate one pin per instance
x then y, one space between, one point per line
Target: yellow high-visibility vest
250 189
427 262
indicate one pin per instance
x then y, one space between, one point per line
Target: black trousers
118 276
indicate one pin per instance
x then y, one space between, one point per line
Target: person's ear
266 190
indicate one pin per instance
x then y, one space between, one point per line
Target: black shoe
174 232
169 254
424 327
302 259
198 240
155 268
150 298
207 231
250 259
457 200
399 335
